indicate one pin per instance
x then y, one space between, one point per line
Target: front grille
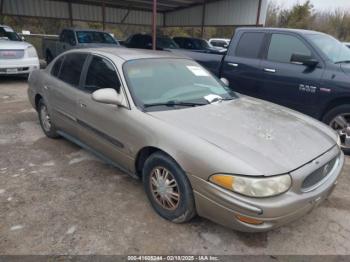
11 54
318 175
19 69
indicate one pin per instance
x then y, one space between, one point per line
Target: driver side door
103 127
286 83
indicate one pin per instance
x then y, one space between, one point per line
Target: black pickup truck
304 70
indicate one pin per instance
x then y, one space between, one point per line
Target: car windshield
163 83
165 42
331 47
91 37
8 34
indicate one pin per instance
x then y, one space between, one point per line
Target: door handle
82 105
233 64
270 70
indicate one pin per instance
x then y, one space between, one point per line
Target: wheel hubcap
341 124
164 188
45 118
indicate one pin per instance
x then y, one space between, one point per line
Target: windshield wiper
176 103
343 62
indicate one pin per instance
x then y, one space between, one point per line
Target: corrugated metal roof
137 12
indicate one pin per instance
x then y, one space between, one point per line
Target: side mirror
107 96
303 60
225 81
23 38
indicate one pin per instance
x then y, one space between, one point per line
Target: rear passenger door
242 65
286 83
63 91
104 127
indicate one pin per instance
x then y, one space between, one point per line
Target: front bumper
222 206
19 66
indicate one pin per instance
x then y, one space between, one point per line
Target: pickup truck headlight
31 52
253 186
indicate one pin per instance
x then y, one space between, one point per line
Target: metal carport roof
163 13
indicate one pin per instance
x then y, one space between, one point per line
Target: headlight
253 186
31 52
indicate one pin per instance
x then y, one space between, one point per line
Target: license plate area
11 70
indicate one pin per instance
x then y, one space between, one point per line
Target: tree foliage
304 16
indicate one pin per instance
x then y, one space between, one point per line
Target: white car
220 42
16 56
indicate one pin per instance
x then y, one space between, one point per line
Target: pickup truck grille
319 174
11 54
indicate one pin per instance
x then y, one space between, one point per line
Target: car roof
131 53
5 26
273 29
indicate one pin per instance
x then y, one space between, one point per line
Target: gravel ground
56 198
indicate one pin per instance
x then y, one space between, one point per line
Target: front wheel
168 188
339 119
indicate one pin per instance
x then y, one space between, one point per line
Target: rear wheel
168 188
45 120
339 119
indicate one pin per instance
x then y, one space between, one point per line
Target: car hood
13 45
272 139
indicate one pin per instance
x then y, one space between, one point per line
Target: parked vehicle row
76 38
304 70
17 57
199 147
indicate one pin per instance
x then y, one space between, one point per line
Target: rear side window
249 45
101 74
71 68
56 67
282 47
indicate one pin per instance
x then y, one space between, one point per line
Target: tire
184 209
48 128
343 110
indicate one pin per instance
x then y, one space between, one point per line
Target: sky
323 5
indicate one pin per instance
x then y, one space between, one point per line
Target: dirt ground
56 198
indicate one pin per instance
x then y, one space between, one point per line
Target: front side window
101 74
249 45
71 68
157 81
93 37
282 47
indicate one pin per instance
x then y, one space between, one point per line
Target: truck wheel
168 188
49 57
45 120
339 119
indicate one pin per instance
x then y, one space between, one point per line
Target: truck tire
338 118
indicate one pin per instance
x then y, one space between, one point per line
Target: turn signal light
223 180
249 220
